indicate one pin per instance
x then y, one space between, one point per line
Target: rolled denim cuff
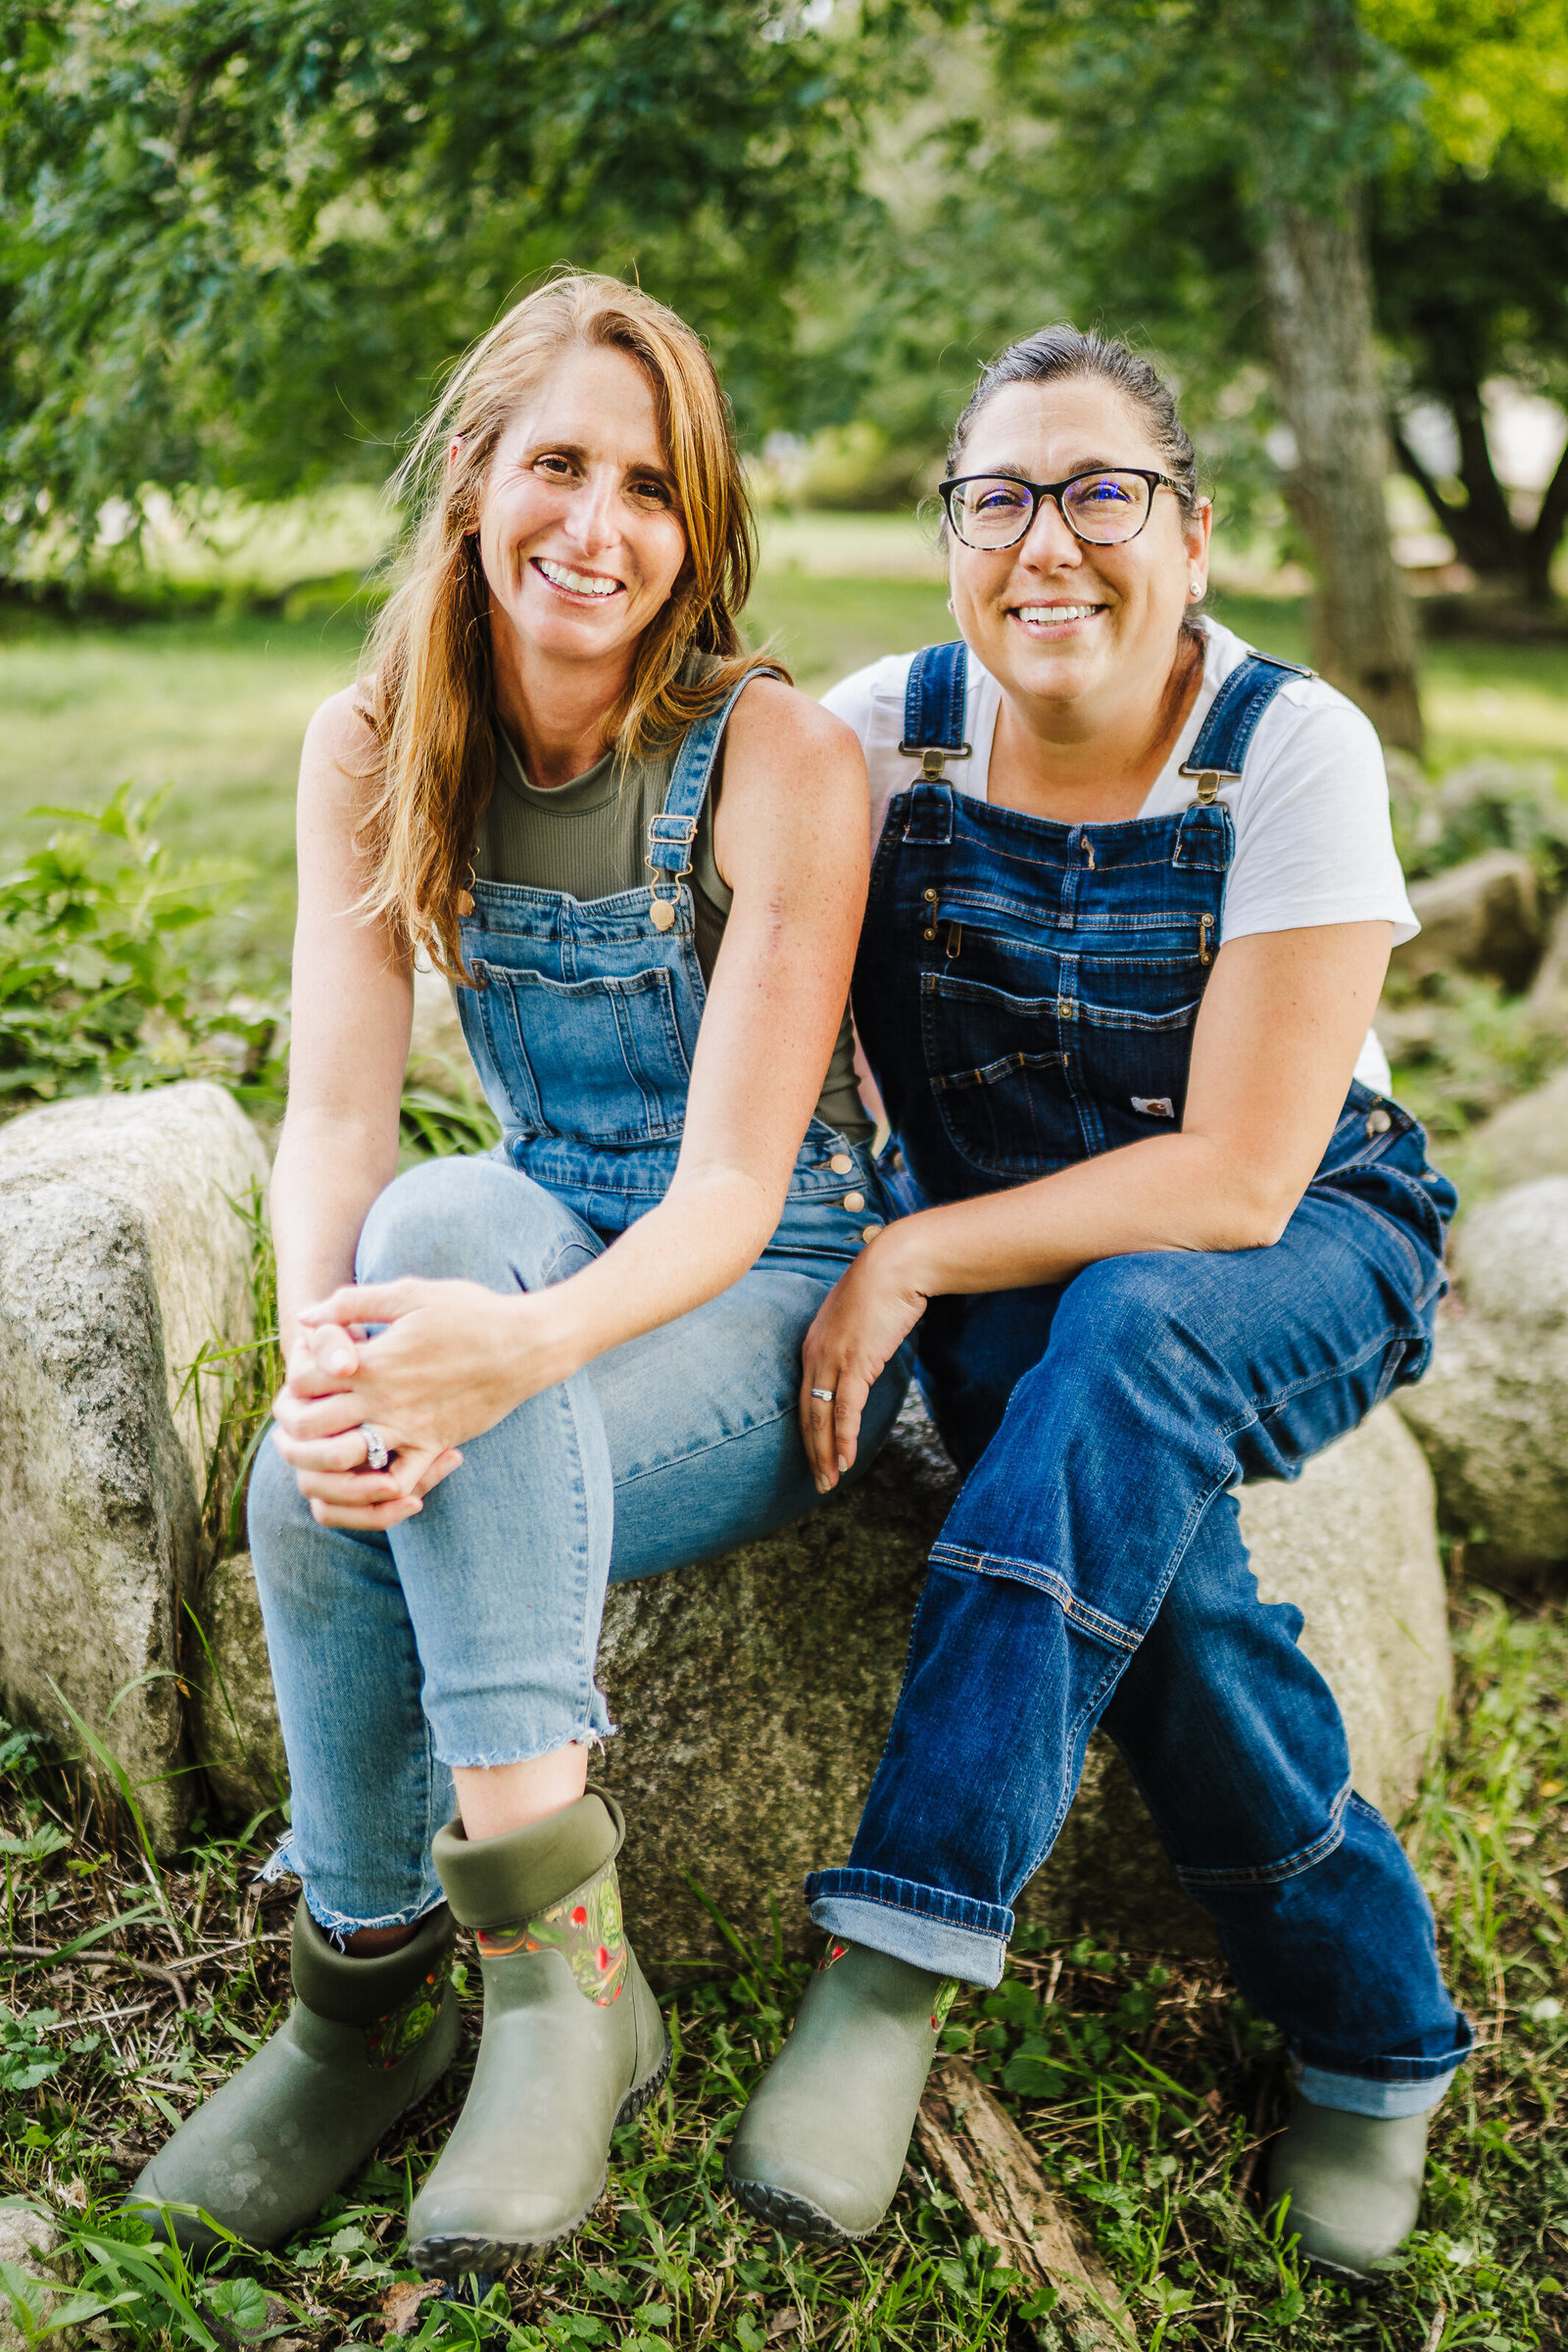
950 1934
1392 2087
1355 2094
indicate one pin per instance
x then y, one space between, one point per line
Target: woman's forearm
1172 1192
709 1229
327 1173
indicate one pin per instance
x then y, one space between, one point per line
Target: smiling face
1076 633
579 529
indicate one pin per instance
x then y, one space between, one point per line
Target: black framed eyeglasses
1105 507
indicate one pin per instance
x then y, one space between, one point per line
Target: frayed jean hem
339 1925
583 1735
925 1942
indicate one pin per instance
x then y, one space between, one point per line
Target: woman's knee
469 1220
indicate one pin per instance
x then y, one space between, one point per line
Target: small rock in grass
31 2242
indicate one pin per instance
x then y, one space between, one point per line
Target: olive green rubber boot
1353 2182
821 2148
573 2042
363 2039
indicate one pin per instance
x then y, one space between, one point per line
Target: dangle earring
465 894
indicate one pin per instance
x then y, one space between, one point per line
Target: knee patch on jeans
1274 1873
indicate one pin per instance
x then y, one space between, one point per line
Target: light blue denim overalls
469 1634
1026 994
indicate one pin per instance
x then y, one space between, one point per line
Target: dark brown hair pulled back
1055 355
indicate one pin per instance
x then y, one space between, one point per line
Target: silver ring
826 1394
376 1456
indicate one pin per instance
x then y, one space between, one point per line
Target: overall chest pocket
998 1076
1128 1020
598 1062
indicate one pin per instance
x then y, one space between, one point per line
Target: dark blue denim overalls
1026 993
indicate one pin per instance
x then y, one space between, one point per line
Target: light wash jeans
467 1637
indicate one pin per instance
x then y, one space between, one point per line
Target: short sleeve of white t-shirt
1313 839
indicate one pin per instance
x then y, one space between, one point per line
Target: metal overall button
854 1203
1378 1122
841 1163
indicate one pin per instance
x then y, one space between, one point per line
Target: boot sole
456 2257
792 2216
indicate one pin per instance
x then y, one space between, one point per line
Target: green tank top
588 839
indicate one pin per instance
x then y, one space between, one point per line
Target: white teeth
1045 614
581 583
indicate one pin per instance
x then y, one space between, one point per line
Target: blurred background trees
239 239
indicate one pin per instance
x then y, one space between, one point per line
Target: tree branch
1442 508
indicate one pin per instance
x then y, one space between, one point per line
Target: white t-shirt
1313 839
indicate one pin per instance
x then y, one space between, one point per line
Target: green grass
1139 2079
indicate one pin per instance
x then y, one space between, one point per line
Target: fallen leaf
783 2323
399 2306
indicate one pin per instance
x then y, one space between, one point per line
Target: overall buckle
934 757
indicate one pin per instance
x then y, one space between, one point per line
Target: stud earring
953 608
1195 587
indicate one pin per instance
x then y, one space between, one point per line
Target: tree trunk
1318 294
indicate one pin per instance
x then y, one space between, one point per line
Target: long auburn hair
426 683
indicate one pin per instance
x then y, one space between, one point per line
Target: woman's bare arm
1282 1021
352 1007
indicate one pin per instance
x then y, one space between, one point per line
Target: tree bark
969 2139
1317 289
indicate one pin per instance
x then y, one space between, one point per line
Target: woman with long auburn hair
514 1377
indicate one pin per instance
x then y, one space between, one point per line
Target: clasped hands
448 1360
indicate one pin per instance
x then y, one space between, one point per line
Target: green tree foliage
1470 248
240 236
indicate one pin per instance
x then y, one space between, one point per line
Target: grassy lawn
1140 2081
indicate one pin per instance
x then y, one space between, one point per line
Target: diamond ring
376 1456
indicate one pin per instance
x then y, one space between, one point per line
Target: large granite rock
1528 1137
234 1733
752 1694
1549 993
121 1255
1482 916
1493 1412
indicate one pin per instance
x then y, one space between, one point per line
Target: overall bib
468 1635
1026 993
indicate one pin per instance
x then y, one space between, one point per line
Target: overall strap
672 831
933 706
1221 747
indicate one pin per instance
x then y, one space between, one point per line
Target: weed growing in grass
1141 2080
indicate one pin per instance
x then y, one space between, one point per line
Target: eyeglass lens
994 511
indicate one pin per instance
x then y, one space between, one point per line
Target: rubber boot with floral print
573 2042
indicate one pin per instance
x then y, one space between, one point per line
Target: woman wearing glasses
1131 903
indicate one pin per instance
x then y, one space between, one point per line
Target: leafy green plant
96 985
